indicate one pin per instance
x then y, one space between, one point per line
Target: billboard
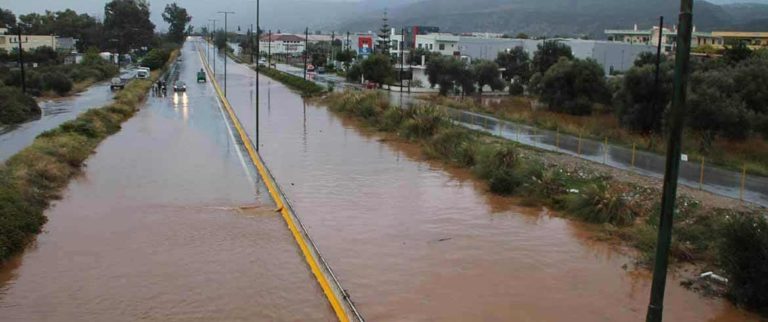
365 45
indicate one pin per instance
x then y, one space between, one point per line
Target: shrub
422 121
57 82
454 144
15 107
156 58
307 88
497 165
744 256
601 203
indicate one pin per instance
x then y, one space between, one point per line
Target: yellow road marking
272 187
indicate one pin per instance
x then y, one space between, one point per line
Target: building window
431 47
442 46
419 46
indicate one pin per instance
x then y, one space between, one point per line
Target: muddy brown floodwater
164 225
412 240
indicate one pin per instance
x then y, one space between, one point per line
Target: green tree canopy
7 18
648 58
378 68
177 19
639 106
574 86
487 73
127 24
548 53
516 62
448 72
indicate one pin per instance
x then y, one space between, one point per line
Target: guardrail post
578 149
743 182
634 147
701 175
557 138
605 151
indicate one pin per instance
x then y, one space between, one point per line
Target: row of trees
727 96
126 25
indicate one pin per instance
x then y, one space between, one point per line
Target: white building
445 44
28 42
282 44
613 56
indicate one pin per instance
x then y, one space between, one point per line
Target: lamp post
226 13
258 53
213 41
672 169
306 50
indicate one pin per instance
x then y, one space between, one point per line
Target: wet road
14 138
166 224
412 240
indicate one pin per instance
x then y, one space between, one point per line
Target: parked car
321 70
142 72
179 86
117 83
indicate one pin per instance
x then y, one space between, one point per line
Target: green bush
15 107
156 58
57 82
601 203
422 121
744 256
307 88
497 165
454 144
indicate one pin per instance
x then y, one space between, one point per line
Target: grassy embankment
734 242
751 153
305 87
34 177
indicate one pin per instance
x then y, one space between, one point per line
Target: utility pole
226 13
21 62
402 61
658 63
258 53
250 37
349 46
333 39
677 113
306 50
213 43
269 50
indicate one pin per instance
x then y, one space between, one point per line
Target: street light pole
672 169
226 14
258 53
213 44
269 50
306 50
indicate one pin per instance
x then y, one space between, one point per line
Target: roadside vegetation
305 87
727 102
624 211
33 178
15 107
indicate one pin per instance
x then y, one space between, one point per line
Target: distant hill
561 17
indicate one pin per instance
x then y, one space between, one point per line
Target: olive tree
573 86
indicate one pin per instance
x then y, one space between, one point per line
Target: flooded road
14 138
165 224
412 240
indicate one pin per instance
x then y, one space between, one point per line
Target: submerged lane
413 240
14 138
164 225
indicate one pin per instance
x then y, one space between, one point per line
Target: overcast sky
200 10
288 15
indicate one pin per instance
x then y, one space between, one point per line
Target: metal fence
697 174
